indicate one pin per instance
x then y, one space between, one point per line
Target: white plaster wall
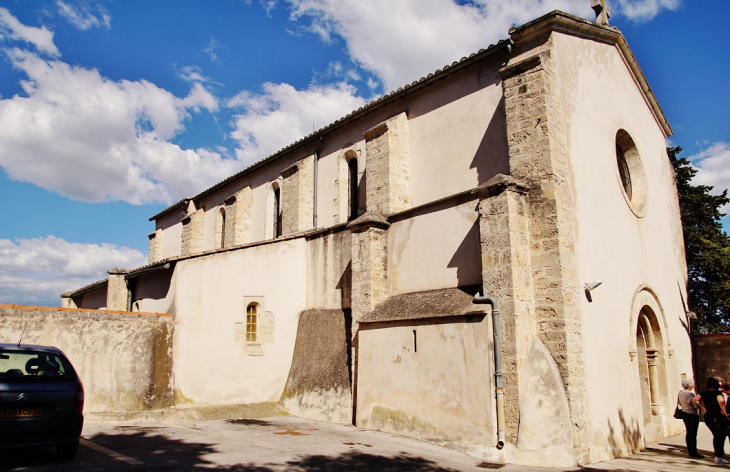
435 250
599 96
95 299
457 134
210 366
171 235
155 293
209 227
439 389
329 273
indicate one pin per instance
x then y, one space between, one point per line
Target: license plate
20 412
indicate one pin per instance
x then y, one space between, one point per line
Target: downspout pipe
499 385
316 173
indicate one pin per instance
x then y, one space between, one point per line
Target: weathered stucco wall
711 354
427 379
626 252
214 364
171 234
457 134
435 249
124 361
154 292
329 270
319 380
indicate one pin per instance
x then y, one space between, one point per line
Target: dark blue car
41 399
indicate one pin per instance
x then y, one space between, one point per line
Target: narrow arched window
352 187
223 228
277 212
251 323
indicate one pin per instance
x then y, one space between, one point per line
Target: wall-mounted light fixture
588 286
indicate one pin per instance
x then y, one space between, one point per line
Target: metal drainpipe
499 386
129 294
316 166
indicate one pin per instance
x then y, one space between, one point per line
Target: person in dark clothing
712 402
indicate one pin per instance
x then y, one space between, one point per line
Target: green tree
707 248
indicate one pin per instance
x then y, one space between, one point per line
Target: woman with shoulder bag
689 414
712 402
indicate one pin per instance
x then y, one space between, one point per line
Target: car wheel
67 451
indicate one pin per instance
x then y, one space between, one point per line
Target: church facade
490 257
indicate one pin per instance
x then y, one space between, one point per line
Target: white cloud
210 50
282 114
41 38
93 139
36 271
192 74
82 17
644 10
401 41
713 168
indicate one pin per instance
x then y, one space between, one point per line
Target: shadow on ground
157 451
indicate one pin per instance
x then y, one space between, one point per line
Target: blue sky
112 110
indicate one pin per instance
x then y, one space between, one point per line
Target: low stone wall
711 357
123 360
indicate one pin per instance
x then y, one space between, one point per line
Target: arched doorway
650 362
649 350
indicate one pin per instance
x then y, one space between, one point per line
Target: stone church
490 257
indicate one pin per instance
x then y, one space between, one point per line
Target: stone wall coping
13 306
117 271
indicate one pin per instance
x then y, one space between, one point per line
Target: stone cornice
290 170
498 184
368 220
375 131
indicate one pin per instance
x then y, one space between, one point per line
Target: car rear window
30 365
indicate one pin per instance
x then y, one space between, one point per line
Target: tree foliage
707 248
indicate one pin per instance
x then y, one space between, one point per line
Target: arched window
352 187
223 228
277 212
251 323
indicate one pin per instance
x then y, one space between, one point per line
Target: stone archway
649 350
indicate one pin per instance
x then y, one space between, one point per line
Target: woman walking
690 416
712 402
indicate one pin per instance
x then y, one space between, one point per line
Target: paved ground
294 444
